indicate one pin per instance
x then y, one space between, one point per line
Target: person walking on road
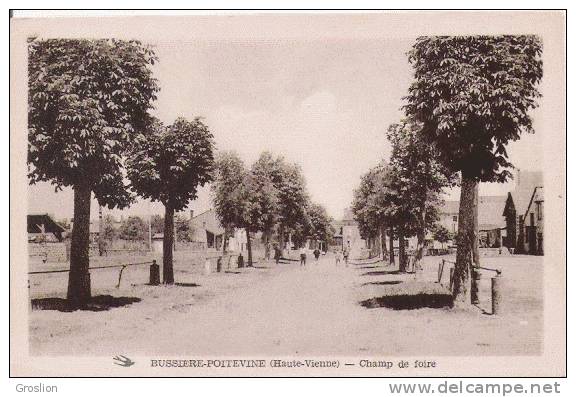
277 254
316 254
346 255
338 257
302 256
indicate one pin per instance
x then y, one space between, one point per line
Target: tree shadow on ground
370 267
382 273
96 304
409 302
383 282
232 272
187 284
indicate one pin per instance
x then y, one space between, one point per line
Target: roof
537 196
36 221
208 221
526 183
490 209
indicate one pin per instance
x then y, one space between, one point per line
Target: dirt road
281 310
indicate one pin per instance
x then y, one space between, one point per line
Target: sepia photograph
289 194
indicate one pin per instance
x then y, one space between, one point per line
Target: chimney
191 214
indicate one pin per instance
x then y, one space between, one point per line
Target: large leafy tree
87 99
370 206
422 178
290 186
293 199
168 165
229 193
321 228
261 213
473 95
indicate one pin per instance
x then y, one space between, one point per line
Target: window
539 211
455 218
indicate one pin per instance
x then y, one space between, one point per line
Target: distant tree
157 224
230 195
442 235
421 176
109 230
371 206
473 95
262 206
133 228
184 229
321 228
87 100
168 165
292 197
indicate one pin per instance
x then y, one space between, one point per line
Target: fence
476 276
120 266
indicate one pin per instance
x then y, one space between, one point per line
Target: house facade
491 223
524 214
208 231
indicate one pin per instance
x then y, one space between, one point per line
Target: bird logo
123 361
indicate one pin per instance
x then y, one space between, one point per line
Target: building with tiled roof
524 214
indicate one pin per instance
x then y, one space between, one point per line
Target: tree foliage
133 228
441 234
184 229
372 205
262 208
87 100
157 224
109 228
320 223
473 95
168 164
229 191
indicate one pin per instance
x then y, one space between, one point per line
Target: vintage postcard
261 194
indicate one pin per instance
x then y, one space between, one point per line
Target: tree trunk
421 235
383 242
79 278
465 243
267 245
475 250
100 231
401 253
282 237
168 245
225 242
249 247
392 261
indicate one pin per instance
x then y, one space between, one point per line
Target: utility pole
149 228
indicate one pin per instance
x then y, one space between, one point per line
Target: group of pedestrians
340 255
303 251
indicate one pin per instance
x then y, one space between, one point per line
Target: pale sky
324 104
